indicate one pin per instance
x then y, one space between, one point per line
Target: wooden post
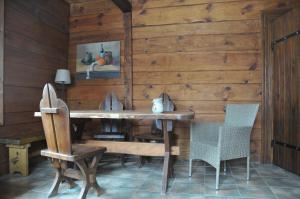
1 59
128 68
167 156
128 60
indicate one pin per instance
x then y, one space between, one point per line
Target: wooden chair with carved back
111 129
56 123
156 134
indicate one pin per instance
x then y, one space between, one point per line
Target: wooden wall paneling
204 54
223 27
92 7
1 60
209 12
192 43
95 21
198 61
48 13
174 3
36 44
236 92
105 20
242 77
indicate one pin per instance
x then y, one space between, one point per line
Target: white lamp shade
63 76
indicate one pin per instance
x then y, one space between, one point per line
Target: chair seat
149 137
79 151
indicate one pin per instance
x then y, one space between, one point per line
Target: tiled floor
131 182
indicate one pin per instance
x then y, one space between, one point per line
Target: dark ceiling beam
124 5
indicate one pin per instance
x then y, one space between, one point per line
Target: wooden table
137 148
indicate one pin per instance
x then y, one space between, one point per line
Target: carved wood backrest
56 121
111 103
168 106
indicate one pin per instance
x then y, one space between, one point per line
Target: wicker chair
216 142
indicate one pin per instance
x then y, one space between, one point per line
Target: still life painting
98 60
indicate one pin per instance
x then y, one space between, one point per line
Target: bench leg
18 158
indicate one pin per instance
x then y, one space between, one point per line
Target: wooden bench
18 152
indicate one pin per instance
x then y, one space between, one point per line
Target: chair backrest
168 106
111 103
241 114
56 121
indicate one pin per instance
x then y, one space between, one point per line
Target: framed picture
98 60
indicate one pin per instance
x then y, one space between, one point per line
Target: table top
136 114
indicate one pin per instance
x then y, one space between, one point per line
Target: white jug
157 106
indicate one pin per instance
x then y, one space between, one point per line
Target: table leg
77 128
167 169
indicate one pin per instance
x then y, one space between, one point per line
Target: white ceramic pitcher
157 106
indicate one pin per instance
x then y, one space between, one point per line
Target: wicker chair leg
190 167
217 176
248 167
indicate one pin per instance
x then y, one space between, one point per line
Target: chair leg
190 167
140 161
84 190
225 169
85 177
248 167
89 176
58 179
217 176
70 182
97 188
122 157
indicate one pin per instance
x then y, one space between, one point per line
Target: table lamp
63 77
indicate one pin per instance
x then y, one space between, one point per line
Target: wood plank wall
93 21
203 53
36 44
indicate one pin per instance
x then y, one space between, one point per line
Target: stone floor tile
211 179
185 196
243 172
147 195
188 188
209 170
152 185
256 192
286 193
195 179
253 181
129 181
272 172
282 182
224 190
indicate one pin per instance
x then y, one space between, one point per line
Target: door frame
267 17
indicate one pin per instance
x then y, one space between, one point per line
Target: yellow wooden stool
18 152
18 158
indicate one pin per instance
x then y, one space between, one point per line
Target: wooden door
286 90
